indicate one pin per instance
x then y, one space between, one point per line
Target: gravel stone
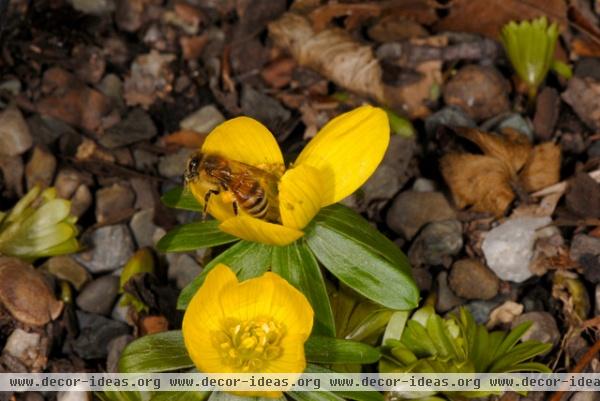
543 329
508 248
96 332
115 238
436 242
472 280
411 210
99 295
14 132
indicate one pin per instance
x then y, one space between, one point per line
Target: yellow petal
252 229
245 140
299 196
204 316
292 360
347 151
219 206
270 296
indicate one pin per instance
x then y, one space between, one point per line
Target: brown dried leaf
332 52
353 66
480 181
321 16
512 147
279 72
543 167
186 138
568 288
488 17
412 97
421 11
392 28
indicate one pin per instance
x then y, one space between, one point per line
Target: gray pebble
182 269
543 329
99 295
411 210
95 333
110 247
436 242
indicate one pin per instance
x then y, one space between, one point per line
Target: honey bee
252 189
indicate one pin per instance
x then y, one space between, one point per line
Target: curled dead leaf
25 293
568 288
492 15
511 147
486 182
543 167
478 181
332 52
340 58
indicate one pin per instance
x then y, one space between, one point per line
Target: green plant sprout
428 343
530 48
141 262
39 225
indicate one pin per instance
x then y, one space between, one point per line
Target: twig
562 186
583 362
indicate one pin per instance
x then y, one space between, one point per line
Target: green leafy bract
39 225
457 344
530 47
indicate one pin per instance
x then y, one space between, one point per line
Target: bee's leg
206 199
235 207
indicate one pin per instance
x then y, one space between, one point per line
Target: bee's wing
268 181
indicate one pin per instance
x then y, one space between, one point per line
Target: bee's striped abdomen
254 202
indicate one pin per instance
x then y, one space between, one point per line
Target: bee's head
193 167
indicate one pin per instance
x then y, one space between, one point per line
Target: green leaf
298 266
350 224
480 349
314 396
331 350
520 353
189 237
395 326
416 339
441 338
161 352
351 395
223 396
246 259
512 338
372 325
400 125
529 367
180 198
352 258
180 396
562 69
119 396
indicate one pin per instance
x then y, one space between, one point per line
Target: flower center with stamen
249 345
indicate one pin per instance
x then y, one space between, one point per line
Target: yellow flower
334 164
256 326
